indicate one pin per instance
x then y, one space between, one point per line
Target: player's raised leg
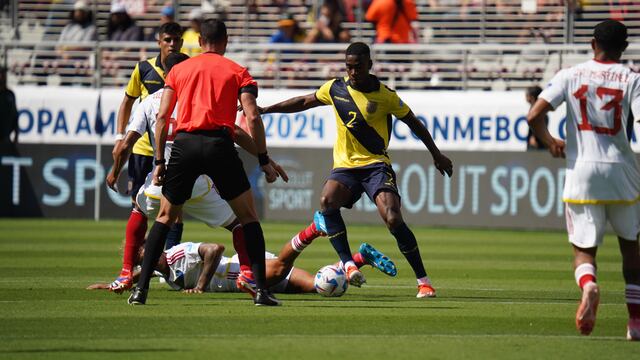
304 238
388 204
334 196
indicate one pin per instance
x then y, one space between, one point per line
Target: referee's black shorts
212 153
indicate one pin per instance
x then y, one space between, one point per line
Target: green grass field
501 295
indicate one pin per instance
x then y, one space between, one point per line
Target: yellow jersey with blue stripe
363 121
147 77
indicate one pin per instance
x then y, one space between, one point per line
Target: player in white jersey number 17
603 177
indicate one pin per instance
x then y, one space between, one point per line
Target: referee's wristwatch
159 162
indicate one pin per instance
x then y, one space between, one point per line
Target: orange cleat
586 314
355 277
122 283
426 291
246 283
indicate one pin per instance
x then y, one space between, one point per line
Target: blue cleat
318 221
378 260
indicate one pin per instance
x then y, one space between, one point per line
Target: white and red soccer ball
331 281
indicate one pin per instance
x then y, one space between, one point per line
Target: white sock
584 269
297 244
424 281
349 264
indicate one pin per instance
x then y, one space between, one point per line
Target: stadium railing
417 66
505 21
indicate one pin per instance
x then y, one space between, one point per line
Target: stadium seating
460 47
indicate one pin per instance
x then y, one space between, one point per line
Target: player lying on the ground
201 267
603 177
205 203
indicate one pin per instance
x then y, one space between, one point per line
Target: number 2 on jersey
614 103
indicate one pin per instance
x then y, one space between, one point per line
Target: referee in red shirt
206 89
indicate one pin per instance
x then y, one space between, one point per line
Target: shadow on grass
80 350
386 307
533 300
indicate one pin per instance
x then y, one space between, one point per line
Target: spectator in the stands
72 60
190 43
328 26
80 26
8 111
531 95
167 15
288 31
121 26
392 19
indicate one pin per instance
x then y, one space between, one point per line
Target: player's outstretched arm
441 162
293 105
211 255
120 155
536 121
167 104
245 141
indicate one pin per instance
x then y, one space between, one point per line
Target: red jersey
207 87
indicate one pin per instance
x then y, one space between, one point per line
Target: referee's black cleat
138 296
265 298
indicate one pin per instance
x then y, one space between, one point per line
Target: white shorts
586 223
205 204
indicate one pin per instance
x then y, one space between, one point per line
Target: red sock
585 279
634 310
309 234
241 248
136 228
359 260
304 238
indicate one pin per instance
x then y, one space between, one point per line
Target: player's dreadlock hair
611 36
359 49
173 59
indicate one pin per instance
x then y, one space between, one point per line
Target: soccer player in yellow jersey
363 107
147 77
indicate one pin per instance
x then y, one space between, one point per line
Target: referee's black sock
174 237
152 251
409 247
337 233
254 240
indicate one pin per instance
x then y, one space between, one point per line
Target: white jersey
600 97
144 120
185 266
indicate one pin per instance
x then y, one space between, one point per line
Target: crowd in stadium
288 22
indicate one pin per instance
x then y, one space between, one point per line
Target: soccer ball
331 281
